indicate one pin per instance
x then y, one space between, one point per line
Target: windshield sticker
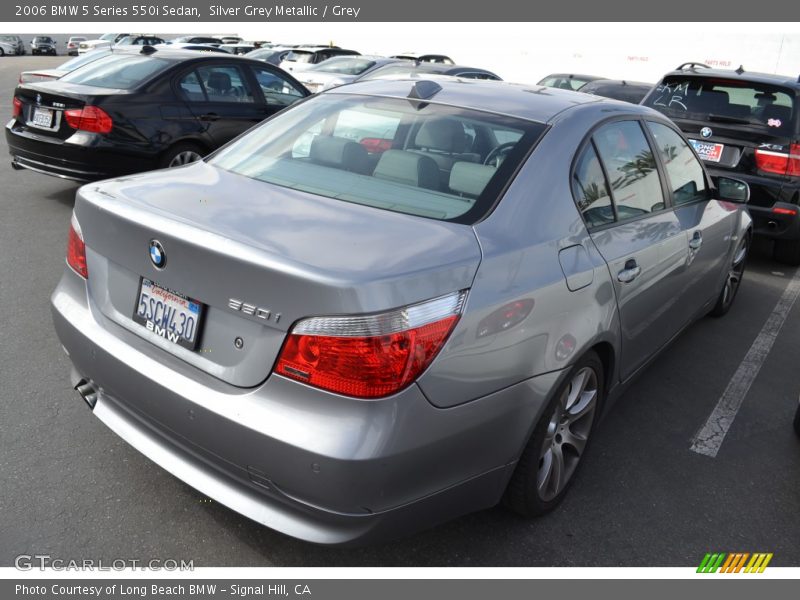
774 123
672 96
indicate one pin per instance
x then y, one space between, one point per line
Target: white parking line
710 437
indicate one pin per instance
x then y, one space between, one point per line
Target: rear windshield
117 71
564 82
422 159
301 57
757 105
345 66
83 59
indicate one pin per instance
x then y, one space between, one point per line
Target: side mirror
732 190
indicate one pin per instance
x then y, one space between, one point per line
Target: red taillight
89 118
369 356
17 110
76 249
779 210
779 162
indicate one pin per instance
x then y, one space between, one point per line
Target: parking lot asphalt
72 489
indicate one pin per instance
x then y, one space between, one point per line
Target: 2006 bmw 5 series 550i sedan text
394 303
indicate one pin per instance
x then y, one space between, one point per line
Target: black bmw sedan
136 111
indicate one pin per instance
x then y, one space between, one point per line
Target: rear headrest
470 178
340 153
409 168
713 101
219 81
446 135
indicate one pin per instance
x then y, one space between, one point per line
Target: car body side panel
561 324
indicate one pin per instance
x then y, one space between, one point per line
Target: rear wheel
551 458
733 279
181 154
787 251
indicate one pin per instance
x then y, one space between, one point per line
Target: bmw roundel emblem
157 255
706 132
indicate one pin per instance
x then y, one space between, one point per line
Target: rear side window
117 71
590 190
757 105
686 178
225 84
631 169
277 90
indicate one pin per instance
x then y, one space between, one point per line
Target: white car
73 43
90 45
7 48
339 70
302 59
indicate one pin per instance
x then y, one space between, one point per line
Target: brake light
17 110
89 118
779 162
76 249
779 210
369 356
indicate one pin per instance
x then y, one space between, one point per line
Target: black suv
43 44
744 125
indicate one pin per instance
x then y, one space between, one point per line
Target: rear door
619 192
708 224
278 90
222 99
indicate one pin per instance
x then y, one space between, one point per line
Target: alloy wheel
184 158
567 434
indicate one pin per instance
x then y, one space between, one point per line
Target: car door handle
630 272
209 117
696 241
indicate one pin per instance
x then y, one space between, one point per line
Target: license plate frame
708 151
43 118
175 300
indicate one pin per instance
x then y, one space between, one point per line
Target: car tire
181 154
733 279
2 52
787 251
551 458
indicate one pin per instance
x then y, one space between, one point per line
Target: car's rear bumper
86 158
316 466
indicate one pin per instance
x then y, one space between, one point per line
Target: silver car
395 302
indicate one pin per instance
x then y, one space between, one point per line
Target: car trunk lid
258 257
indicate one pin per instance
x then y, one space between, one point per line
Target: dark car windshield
733 101
300 56
42 40
409 157
117 71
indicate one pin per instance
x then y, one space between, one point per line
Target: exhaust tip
87 391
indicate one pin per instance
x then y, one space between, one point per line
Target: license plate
707 150
42 117
168 313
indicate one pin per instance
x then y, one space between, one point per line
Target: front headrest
219 81
470 178
340 153
445 135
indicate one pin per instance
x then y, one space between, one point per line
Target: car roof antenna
147 49
423 90
740 70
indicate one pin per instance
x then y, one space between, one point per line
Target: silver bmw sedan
396 302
